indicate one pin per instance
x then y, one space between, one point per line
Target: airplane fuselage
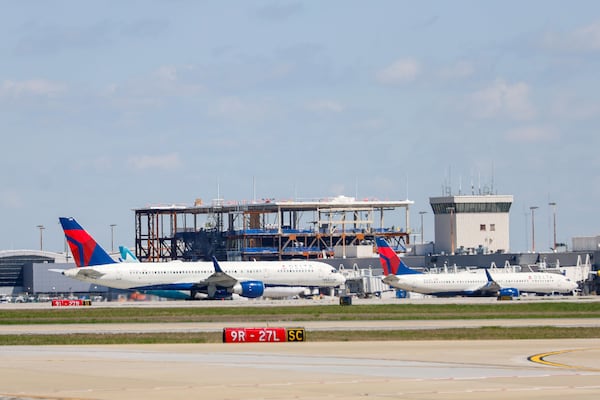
177 275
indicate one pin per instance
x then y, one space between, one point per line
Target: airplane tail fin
86 251
390 262
127 255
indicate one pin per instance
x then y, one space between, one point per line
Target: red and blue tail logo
86 251
390 262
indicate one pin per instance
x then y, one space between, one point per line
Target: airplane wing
491 287
89 273
390 279
219 278
221 283
79 273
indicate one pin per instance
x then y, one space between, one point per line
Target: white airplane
211 280
468 283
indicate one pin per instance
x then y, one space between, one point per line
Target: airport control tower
471 224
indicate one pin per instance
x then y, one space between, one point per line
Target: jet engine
509 292
250 289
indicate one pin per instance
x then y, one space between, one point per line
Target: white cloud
230 106
154 89
167 73
585 38
460 70
33 87
372 124
164 162
174 81
10 199
234 109
282 70
503 100
102 163
532 134
575 108
325 106
401 71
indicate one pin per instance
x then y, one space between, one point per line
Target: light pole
112 237
553 205
421 214
41 228
533 208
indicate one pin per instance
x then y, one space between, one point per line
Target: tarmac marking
540 359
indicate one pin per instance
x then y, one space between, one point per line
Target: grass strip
483 333
325 312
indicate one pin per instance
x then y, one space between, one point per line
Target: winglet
490 286
389 260
86 251
487 274
216 265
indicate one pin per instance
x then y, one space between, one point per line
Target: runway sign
262 335
296 335
70 303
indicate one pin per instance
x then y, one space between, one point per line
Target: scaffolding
265 230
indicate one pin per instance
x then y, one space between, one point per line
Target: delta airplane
467 283
209 280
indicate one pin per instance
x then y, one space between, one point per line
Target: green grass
485 333
500 310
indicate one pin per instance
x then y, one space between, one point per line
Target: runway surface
381 370
498 369
189 327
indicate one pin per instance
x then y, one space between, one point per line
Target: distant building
471 224
586 243
11 267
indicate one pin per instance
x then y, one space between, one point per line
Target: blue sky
114 105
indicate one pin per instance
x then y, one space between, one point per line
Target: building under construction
267 229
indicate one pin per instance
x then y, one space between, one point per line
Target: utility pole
41 228
112 237
553 205
422 235
533 208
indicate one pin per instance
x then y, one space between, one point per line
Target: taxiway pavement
320 370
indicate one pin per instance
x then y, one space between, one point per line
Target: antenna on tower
492 177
